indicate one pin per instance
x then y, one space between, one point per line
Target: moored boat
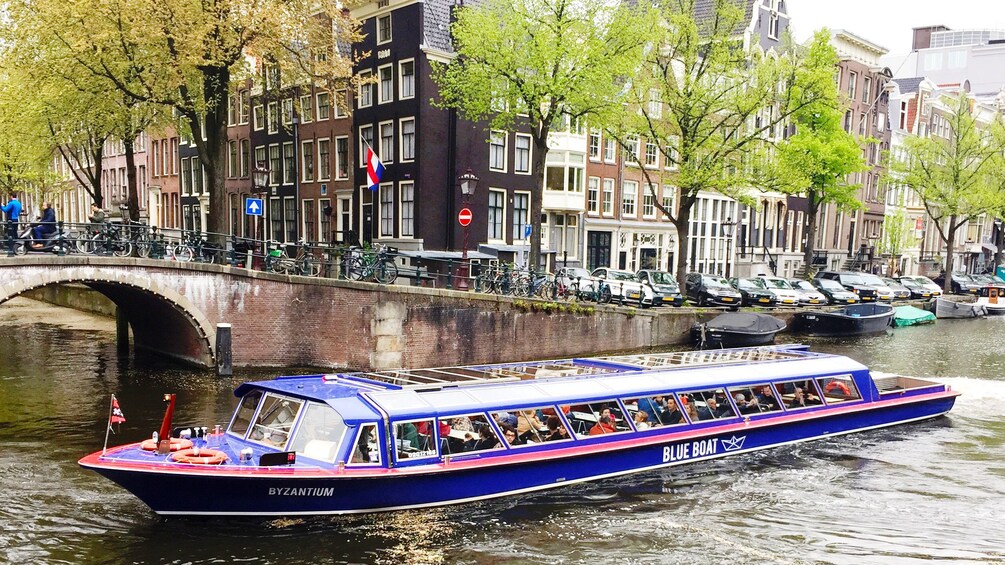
947 308
854 319
911 316
736 329
996 308
379 441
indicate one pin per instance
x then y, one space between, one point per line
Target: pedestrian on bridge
13 211
96 218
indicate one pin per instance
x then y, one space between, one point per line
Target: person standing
13 211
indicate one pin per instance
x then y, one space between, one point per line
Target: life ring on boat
199 456
177 444
838 385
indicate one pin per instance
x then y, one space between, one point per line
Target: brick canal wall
286 321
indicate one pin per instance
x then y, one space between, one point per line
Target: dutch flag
374 168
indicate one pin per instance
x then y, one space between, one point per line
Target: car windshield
829 284
777 283
960 277
908 281
716 282
746 284
891 282
925 280
662 277
620 276
802 285
573 273
872 280
852 279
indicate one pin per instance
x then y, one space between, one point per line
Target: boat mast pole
108 424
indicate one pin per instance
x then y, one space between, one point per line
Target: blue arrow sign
253 206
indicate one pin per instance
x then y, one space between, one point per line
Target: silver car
808 294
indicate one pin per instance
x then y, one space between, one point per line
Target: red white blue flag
374 168
117 416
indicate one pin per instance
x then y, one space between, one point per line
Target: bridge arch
162 319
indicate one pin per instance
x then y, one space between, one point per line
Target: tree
712 107
821 154
953 169
897 233
532 63
183 55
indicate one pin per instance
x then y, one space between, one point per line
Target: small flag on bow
117 416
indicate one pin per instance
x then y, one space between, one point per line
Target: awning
990 247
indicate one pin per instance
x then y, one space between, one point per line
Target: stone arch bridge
278 320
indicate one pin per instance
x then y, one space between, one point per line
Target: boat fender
177 444
837 385
198 456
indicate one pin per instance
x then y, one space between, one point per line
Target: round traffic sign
464 216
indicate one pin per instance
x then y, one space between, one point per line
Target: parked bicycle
106 239
277 260
377 265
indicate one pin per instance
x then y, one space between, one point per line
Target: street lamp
260 183
468 182
727 230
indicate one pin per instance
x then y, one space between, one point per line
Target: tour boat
390 440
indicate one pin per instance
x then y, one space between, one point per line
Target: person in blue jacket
44 227
13 211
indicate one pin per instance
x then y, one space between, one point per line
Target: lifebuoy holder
196 456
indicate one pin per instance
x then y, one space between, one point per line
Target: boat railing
888 383
707 357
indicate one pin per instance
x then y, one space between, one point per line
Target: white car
810 295
926 283
883 292
625 286
574 280
783 291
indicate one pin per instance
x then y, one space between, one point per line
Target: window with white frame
383 29
652 155
607 204
672 156
306 109
655 104
632 150
387 142
408 209
852 84
366 87
273 117
649 201
287 111
232 110
594 146
324 105
341 106
497 214
307 160
565 171
342 157
275 164
324 159
593 195
497 151
260 156
521 156
365 139
609 150
566 232
521 214
289 163
773 24
406 78
669 194
629 193
385 77
866 89
387 210
245 100
258 113
407 143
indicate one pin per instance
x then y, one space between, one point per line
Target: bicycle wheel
310 267
546 290
89 245
356 269
122 248
385 272
144 247
604 296
183 253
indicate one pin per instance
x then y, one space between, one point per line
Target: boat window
598 418
319 434
367 450
659 410
755 399
838 389
414 439
531 425
466 433
798 394
275 421
709 405
245 412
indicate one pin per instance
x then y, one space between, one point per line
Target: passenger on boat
604 426
713 410
529 427
462 423
671 415
410 435
509 433
766 400
556 431
652 406
486 440
692 411
505 418
745 406
641 420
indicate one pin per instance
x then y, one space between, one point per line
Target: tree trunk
947 283
680 222
132 194
810 232
537 198
213 149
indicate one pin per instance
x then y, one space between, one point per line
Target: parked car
710 290
925 282
753 294
987 282
625 286
835 292
883 292
916 288
785 295
809 295
665 287
851 281
573 280
900 292
961 283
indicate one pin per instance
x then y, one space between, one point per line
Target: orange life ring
199 456
837 385
177 443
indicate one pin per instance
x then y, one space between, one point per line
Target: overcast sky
888 22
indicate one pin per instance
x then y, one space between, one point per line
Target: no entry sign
464 216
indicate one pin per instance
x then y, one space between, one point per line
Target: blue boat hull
206 492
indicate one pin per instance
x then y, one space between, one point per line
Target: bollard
224 358
12 227
61 251
450 274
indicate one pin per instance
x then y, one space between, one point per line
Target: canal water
933 491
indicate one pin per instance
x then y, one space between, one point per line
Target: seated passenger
710 410
604 426
410 435
798 399
556 431
692 411
462 423
724 410
766 399
486 440
745 406
528 426
653 407
641 420
509 433
505 418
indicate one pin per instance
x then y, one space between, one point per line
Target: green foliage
897 233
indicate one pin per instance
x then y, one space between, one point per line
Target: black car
851 281
753 294
835 293
961 283
917 289
710 290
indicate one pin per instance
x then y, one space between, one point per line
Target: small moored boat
911 316
948 308
854 319
388 440
736 329
996 308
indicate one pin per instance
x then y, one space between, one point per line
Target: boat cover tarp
911 316
746 322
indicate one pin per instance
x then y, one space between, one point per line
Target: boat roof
472 389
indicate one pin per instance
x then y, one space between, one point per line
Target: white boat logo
733 443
